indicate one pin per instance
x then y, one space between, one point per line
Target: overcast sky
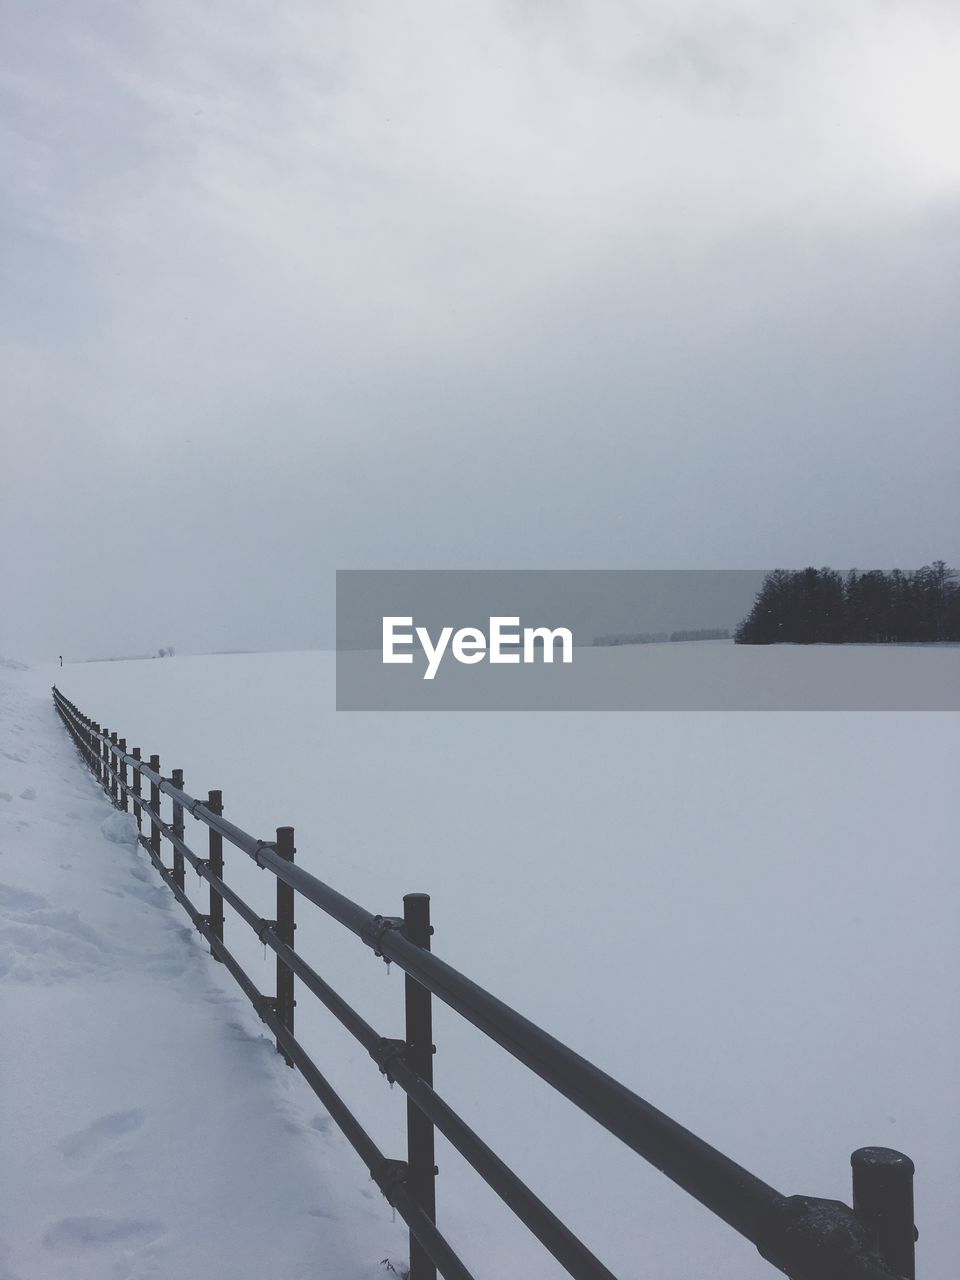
551 283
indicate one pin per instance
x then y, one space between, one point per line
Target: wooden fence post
215 854
419 1057
176 778
114 787
155 806
285 931
137 782
883 1201
124 798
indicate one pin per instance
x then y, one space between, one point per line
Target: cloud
380 269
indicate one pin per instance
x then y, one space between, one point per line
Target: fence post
176 777
883 1201
215 805
419 1057
137 782
285 929
114 788
104 773
155 806
124 798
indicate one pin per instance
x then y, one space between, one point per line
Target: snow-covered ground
701 675
148 1128
751 919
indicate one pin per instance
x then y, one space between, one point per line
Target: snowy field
711 675
751 919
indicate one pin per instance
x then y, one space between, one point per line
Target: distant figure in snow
61 659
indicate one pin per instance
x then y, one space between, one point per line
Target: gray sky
287 288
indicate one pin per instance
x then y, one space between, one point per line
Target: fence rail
804 1237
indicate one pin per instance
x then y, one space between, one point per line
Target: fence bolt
285 930
419 1057
155 806
883 1201
215 805
176 777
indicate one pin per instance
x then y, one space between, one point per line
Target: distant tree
942 585
830 607
768 620
702 633
161 653
872 610
631 637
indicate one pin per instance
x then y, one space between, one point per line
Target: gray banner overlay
478 640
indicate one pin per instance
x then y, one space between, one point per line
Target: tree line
702 633
661 637
823 606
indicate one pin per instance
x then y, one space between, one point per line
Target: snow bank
150 1130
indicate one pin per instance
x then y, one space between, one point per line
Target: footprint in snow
46 946
28 793
12 899
120 828
320 1212
70 1235
103 1134
5 795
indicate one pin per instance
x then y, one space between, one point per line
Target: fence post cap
881 1157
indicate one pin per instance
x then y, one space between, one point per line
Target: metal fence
804 1237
